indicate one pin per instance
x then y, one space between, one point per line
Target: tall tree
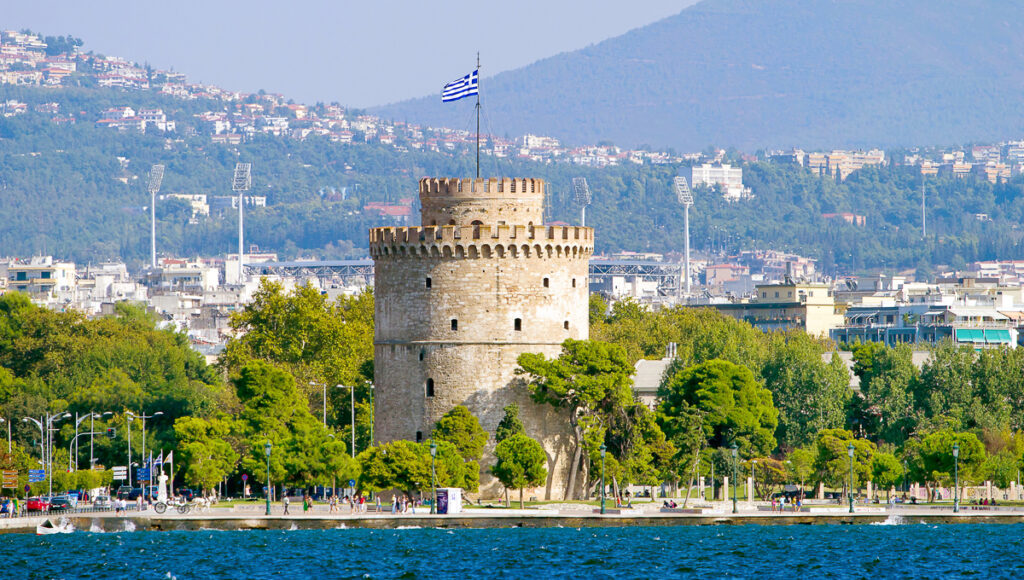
888 396
589 380
736 409
462 429
521 463
204 452
510 423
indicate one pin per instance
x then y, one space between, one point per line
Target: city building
727 178
805 306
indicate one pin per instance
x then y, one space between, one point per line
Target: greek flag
467 86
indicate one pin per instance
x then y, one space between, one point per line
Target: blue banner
142 474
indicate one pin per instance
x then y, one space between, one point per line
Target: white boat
48 527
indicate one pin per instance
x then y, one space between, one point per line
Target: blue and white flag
159 461
466 86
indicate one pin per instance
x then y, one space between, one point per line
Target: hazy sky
356 53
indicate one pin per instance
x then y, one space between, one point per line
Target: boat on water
48 527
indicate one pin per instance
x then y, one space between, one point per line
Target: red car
38 504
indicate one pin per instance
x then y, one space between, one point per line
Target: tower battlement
448 201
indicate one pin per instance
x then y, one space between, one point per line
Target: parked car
186 493
60 503
102 502
38 504
123 491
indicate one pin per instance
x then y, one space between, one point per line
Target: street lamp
433 485
92 427
735 459
956 477
849 451
266 449
2 420
604 448
142 416
373 410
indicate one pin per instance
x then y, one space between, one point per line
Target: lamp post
373 410
78 421
92 427
45 424
849 451
904 477
266 449
352 391
735 459
604 448
433 485
956 477
142 416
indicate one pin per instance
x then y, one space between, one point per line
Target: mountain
780 73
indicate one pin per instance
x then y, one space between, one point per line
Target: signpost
10 479
142 474
120 472
36 475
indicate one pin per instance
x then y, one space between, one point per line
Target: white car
102 502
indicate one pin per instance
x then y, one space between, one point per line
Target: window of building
547 282
430 387
574 282
46 275
776 294
419 436
422 353
429 282
518 324
566 325
810 293
764 295
455 324
22 276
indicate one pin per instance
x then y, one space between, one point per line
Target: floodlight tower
241 183
685 197
583 197
156 177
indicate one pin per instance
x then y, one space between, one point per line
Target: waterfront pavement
252 516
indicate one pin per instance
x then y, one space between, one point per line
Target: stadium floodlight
241 183
685 197
583 197
682 189
156 178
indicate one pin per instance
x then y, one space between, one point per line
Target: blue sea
752 551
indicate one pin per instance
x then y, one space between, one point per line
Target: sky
358 54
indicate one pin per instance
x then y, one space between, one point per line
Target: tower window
566 325
518 324
419 436
430 387
547 282
429 282
455 324
574 282
422 353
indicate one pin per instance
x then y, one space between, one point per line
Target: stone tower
459 298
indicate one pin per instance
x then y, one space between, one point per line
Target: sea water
750 551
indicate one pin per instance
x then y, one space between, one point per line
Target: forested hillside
77 191
785 73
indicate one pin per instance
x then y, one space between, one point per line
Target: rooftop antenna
241 183
685 197
924 216
156 178
583 197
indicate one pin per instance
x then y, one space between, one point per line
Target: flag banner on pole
170 457
466 86
159 461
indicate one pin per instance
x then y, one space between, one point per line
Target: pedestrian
138 503
286 501
305 503
394 504
378 503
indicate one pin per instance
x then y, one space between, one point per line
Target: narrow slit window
455 324
566 325
422 353
430 387
547 282
419 436
574 282
429 282
518 324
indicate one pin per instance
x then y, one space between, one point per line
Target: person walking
286 501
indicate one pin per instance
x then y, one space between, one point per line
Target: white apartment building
728 178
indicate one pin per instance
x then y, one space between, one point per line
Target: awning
997 336
971 335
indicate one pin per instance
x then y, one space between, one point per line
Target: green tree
886 472
735 407
936 457
810 394
832 460
462 429
510 423
399 464
589 380
947 387
521 463
800 464
888 396
205 455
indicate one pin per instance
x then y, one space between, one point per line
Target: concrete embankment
227 519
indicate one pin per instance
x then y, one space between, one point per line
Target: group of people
10 508
402 504
356 504
780 503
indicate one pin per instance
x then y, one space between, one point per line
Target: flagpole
478 116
